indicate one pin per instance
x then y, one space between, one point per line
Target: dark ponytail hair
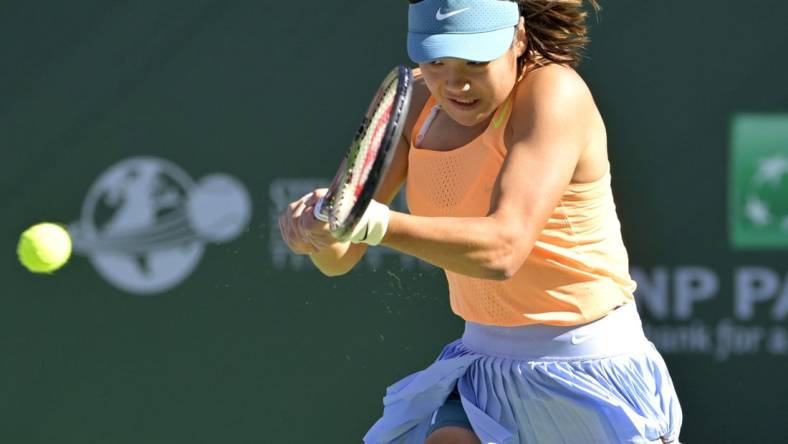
556 30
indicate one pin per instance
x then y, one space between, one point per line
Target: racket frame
324 209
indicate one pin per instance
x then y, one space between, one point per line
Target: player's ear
519 38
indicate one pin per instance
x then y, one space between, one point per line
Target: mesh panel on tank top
486 293
447 178
445 187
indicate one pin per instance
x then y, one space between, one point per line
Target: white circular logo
765 202
145 222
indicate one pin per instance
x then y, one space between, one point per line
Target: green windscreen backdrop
168 135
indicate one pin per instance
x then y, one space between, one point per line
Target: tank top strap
494 134
419 124
501 116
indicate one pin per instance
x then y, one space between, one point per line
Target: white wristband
372 226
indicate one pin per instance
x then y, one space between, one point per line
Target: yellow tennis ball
44 247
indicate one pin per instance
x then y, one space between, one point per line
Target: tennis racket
364 166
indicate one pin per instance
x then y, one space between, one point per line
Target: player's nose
457 84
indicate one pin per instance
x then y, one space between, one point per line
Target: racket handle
319 212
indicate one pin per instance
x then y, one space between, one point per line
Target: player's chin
466 113
469 118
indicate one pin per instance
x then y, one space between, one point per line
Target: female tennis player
507 177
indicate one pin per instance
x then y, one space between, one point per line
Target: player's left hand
318 231
300 230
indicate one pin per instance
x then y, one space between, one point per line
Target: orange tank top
578 269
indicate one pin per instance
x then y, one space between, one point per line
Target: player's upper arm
551 125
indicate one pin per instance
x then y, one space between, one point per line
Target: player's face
469 92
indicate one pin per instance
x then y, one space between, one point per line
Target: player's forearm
482 247
338 259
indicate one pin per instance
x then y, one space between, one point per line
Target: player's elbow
333 268
502 269
507 257
332 272
338 259
503 274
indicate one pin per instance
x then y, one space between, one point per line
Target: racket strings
362 154
374 145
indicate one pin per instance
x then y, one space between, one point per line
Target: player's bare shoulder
555 91
557 87
554 103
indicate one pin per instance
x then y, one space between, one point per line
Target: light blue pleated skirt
601 382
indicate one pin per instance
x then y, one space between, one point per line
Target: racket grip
319 213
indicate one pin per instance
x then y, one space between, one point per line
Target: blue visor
477 30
